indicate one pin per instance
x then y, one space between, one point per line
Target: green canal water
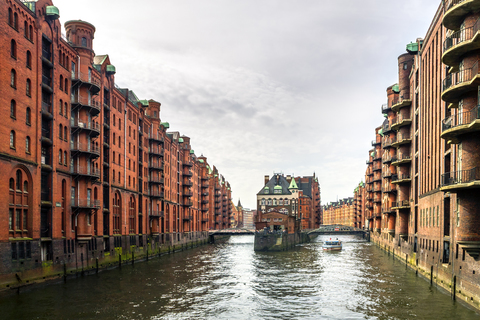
230 281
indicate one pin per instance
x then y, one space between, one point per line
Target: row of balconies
461 123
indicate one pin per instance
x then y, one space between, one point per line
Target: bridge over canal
338 229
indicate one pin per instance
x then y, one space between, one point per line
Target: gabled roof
279 181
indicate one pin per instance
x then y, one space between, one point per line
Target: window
28 116
29 60
13 109
120 124
28 88
60 131
27 145
60 110
65 110
30 33
60 153
61 82
13 78
25 29
10 17
65 137
13 49
12 139
114 122
15 21
84 42
66 85
64 158
119 141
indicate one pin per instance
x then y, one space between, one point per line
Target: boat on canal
332 245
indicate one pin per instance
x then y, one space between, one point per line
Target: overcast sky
263 86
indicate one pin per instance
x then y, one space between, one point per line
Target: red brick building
89 169
427 151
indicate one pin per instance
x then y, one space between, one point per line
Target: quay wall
84 261
279 241
428 264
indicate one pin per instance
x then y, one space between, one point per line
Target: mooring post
454 287
431 275
96 264
64 273
133 257
120 261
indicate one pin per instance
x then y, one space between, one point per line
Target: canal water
230 281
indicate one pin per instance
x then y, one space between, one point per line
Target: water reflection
230 281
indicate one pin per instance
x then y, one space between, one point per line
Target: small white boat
332 245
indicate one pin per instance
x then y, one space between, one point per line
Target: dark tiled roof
276 180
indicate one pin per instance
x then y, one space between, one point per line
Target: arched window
60 110
66 85
13 109
61 82
60 154
28 116
64 158
131 215
114 138
65 137
60 131
13 49
18 205
117 209
27 145
84 42
13 78
30 33
29 59
113 175
64 198
12 139
10 17
28 88
25 29
15 21
65 110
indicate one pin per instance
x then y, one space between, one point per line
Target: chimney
289 178
267 178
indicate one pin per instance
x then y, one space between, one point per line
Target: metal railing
461 118
456 78
85 203
85 102
95 126
401 176
403 136
464 34
85 78
403 203
461 176
451 3
81 170
85 147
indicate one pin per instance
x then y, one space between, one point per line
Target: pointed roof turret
293 184
239 204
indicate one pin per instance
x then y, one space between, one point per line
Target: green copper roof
143 102
277 187
266 187
180 140
293 184
380 132
412 47
216 175
165 124
192 151
372 154
228 188
53 12
111 69
396 88
201 160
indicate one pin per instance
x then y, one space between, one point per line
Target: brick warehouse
422 200
90 171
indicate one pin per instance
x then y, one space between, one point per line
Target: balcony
187 218
377 178
388 141
156 214
46 136
85 203
402 159
204 201
456 11
204 209
387 174
156 137
156 180
187 203
369 161
459 43
85 171
387 159
91 149
156 152
456 84
188 164
47 110
188 194
156 165
92 127
389 189
156 194
187 173
205 194
387 128
460 124
87 80
402 138
401 205
401 120
376 142
47 83
401 178
187 183
385 108
401 103
93 106
377 198
388 209
460 180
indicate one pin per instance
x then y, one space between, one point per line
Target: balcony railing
388 141
459 177
92 125
86 171
85 147
389 189
156 194
403 203
451 3
462 118
85 203
85 102
400 177
157 213
85 78
156 180
459 77
188 163
462 35
385 107
156 165
46 107
47 80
